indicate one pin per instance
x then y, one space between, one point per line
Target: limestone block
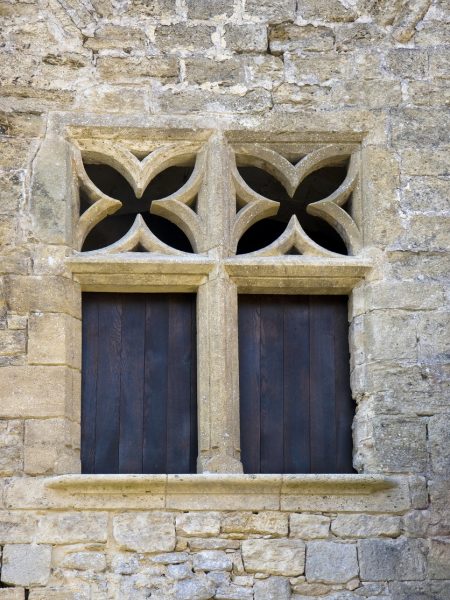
171 558
400 444
358 35
145 531
440 63
198 588
115 69
358 526
266 523
12 343
16 321
205 101
205 9
405 295
109 37
271 588
273 12
426 233
233 592
27 565
177 572
116 98
72 527
11 191
35 391
203 70
287 37
12 593
275 557
85 561
427 590
265 72
75 591
9 230
322 10
401 342
43 294
308 526
431 162
184 37
387 560
198 524
407 63
376 93
16 527
439 437
245 38
11 447
54 339
417 127
439 559
212 544
317 69
329 562
433 332
212 560
429 192
16 151
51 201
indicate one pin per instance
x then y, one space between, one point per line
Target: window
260 240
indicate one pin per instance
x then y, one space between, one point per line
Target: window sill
371 493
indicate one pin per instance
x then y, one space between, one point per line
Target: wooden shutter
139 407
295 401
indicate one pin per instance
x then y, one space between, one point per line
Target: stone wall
334 67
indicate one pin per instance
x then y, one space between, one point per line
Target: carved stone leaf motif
291 176
139 174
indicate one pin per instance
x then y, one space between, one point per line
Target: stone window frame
210 276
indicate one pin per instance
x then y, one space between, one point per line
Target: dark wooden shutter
139 406
295 401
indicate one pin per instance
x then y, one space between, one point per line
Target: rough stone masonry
331 66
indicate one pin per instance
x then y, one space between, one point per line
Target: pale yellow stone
54 339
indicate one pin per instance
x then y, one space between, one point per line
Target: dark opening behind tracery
316 186
115 226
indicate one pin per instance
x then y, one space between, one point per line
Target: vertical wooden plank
322 386
193 388
179 376
296 385
156 384
345 407
249 332
272 447
89 381
132 384
108 383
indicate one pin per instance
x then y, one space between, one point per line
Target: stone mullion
218 375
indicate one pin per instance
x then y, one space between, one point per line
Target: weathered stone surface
35 391
272 12
276 557
271 588
387 560
145 532
54 339
325 11
233 592
12 594
26 564
184 37
267 523
198 524
17 527
136 69
245 38
287 37
429 590
204 9
212 560
85 561
72 527
11 447
329 562
356 526
308 526
199 588
439 559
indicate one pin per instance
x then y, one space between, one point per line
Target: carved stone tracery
214 208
